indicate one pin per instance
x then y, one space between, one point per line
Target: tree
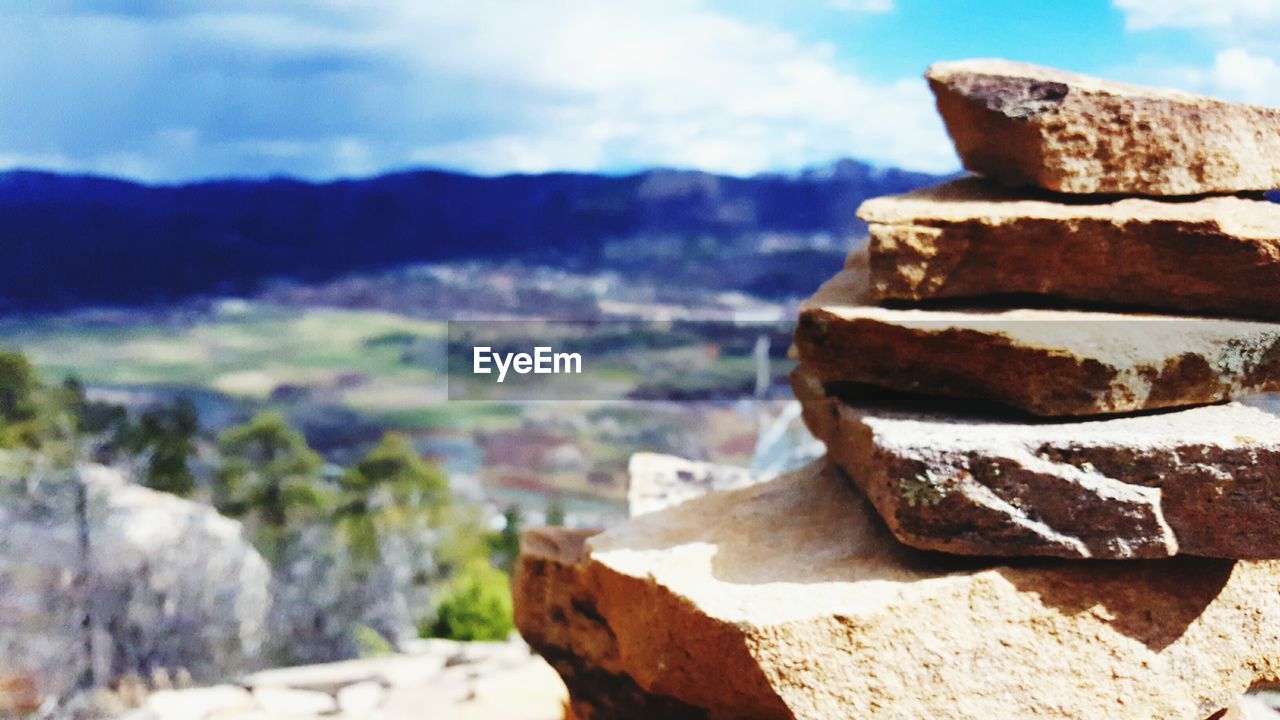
167 434
19 384
97 430
477 606
391 487
268 474
394 466
505 544
75 401
555 513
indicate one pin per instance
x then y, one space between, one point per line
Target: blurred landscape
277 351
247 244
245 296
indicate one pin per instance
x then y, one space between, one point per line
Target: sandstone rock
197 703
1029 125
528 691
1047 362
331 678
287 702
659 481
972 237
496 680
1203 481
440 679
790 600
362 698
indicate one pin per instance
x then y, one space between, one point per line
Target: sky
171 91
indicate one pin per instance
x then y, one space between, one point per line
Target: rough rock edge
974 238
1029 125
1003 357
551 569
978 486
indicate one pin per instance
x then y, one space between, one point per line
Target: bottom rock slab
790 599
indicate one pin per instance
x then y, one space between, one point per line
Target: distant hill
75 240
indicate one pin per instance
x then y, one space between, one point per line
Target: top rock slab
1029 125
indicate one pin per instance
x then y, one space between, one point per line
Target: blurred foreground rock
790 599
436 680
101 579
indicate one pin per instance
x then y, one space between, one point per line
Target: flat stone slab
789 599
1204 481
1045 362
1029 125
974 237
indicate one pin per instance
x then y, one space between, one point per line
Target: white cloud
670 82
485 85
1250 24
1250 78
863 6
1242 16
1246 64
46 161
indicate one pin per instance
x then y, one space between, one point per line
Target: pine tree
167 436
19 384
506 543
555 513
391 487
268 475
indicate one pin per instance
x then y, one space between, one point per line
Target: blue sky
170 91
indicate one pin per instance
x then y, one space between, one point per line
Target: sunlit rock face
1029 125
1048 362
1199 481
790 599
974 238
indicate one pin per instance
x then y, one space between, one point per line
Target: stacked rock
1055 371
1196 479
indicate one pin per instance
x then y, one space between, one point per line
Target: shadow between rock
1152 601
820 529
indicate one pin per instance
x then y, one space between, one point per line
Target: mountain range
83 240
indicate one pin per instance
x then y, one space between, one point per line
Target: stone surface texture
1203 481
973 237
1029 125
1046 362
789 599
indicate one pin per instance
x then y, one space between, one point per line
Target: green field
379 364
372 362
346 375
